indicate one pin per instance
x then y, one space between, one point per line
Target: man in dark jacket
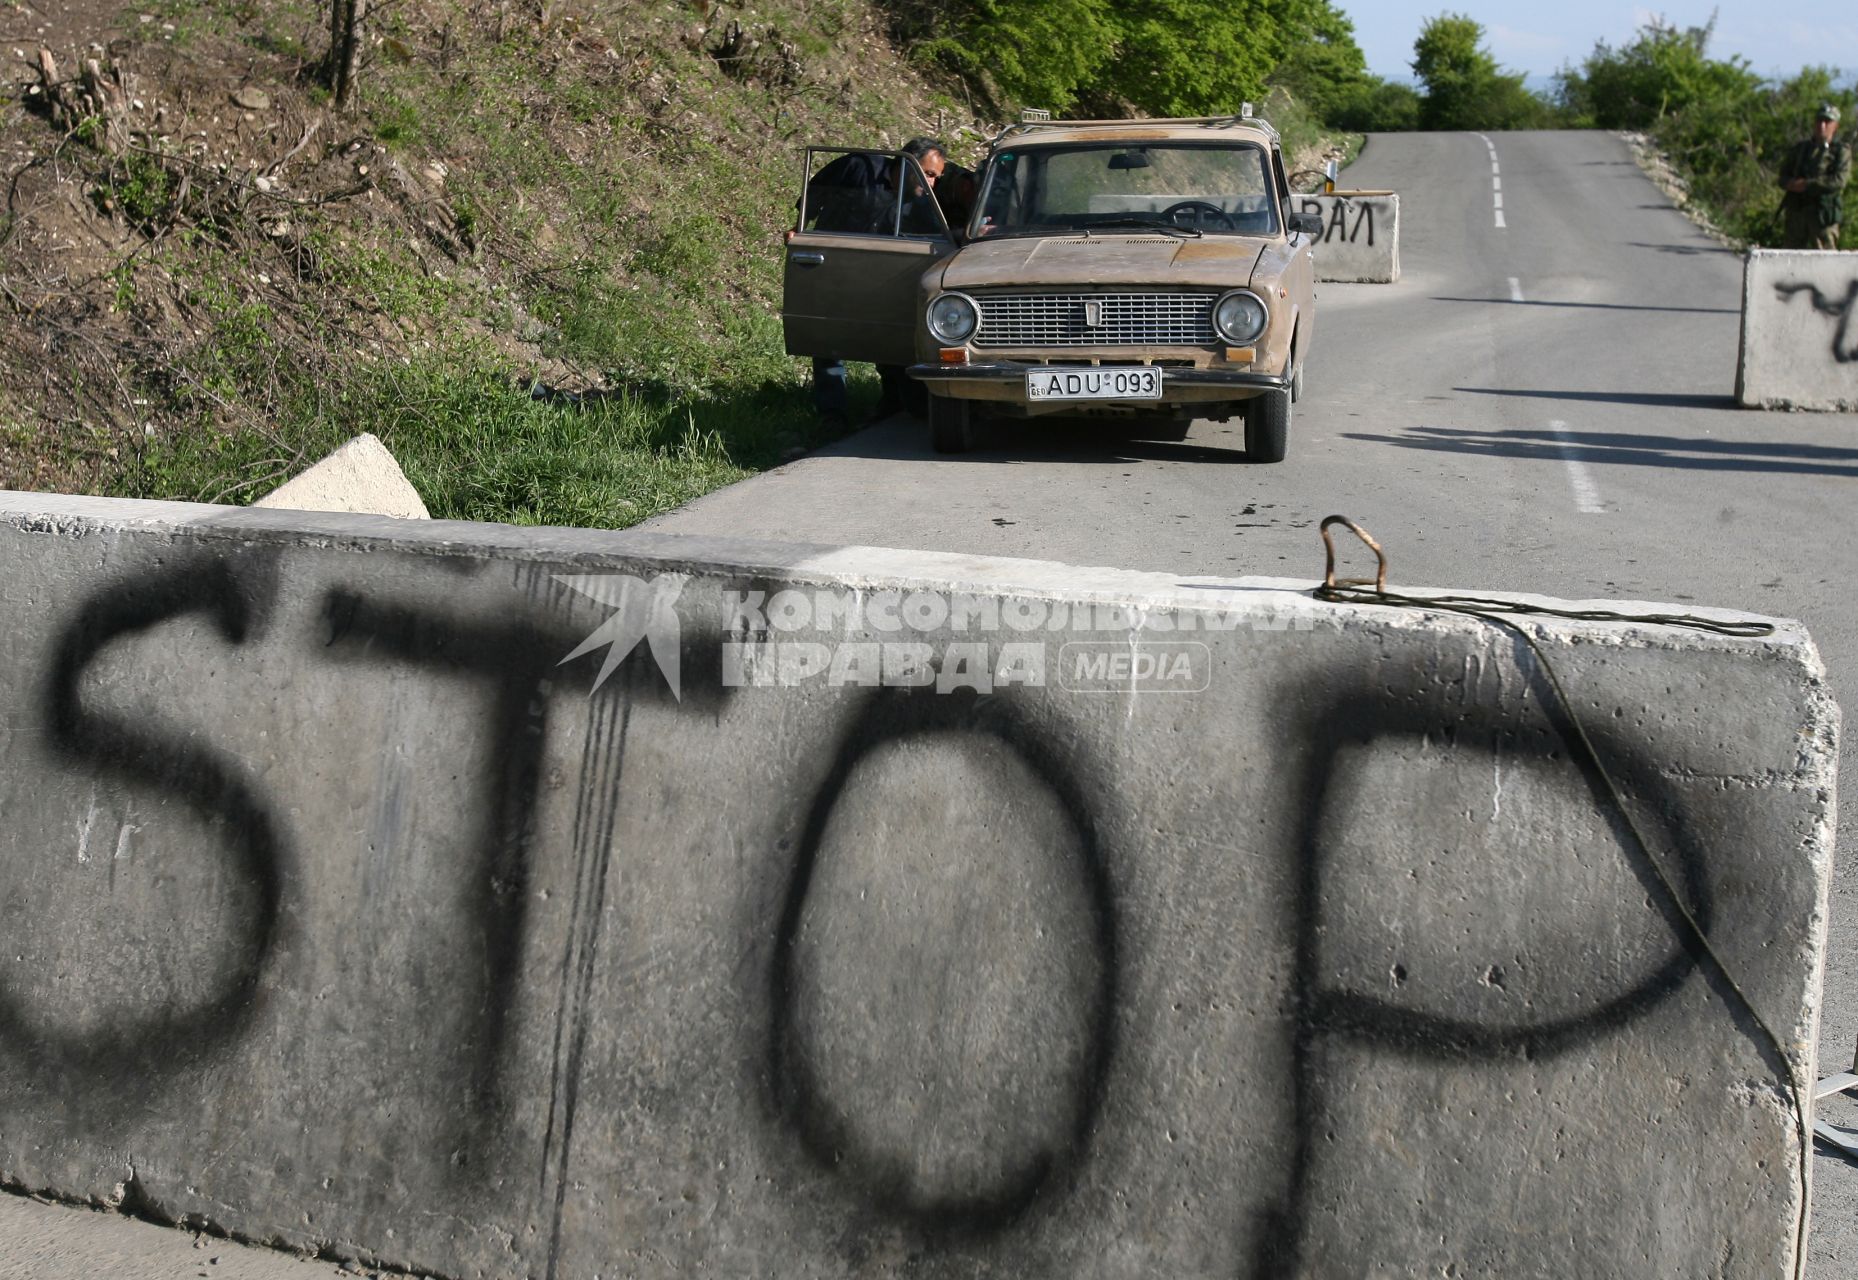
853 193
1813 176
857 192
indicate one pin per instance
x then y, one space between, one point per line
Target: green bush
142 189
1385 106
1037 52
1465 89
1730 150
1164 57
1725 129
1663 71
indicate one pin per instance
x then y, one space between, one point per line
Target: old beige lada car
1150 270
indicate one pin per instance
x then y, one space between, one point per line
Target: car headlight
953 317
1239 317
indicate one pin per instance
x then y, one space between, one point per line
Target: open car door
868 228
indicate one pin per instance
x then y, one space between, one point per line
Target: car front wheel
951 424
1267 426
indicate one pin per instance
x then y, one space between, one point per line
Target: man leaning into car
856 193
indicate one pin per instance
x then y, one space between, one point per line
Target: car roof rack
1033 120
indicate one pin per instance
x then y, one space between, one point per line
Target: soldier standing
1813 176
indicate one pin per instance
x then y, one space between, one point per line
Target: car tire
951 424
1296 386
1267 426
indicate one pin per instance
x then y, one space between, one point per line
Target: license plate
1142 382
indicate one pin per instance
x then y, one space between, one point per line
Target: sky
1778 37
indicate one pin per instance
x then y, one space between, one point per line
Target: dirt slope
208 276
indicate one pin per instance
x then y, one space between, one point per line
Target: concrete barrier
539 903
361 476
1799 333
1361 235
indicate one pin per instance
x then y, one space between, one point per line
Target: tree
1382 106
1465 89
1207 57
1189 57
1030 53
346 19
1164 57
1663 71
1326 71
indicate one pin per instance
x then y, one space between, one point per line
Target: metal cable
1502 613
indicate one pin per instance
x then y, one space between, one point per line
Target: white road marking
1580 480
1496 183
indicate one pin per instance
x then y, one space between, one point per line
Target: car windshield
1211 188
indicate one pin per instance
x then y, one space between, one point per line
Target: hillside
539 257
528 201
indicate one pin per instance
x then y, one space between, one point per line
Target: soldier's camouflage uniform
1810 218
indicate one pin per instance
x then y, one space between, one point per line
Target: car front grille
1095 320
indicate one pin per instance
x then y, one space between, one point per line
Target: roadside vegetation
539 257
1722 128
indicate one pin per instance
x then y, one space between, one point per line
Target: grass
636 244
478 445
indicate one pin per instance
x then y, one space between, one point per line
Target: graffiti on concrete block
1844 347
246 854
511 662
1387 995
996 1127
951 989
1338 226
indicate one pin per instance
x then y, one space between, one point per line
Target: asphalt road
1543 405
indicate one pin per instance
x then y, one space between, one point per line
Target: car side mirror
1310 224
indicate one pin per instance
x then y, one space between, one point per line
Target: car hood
1113 258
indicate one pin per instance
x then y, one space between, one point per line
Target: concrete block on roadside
508 902
1361 235
1799 331
361 477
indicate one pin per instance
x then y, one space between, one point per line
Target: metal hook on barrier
1330 581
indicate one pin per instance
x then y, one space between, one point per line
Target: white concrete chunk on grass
361 478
